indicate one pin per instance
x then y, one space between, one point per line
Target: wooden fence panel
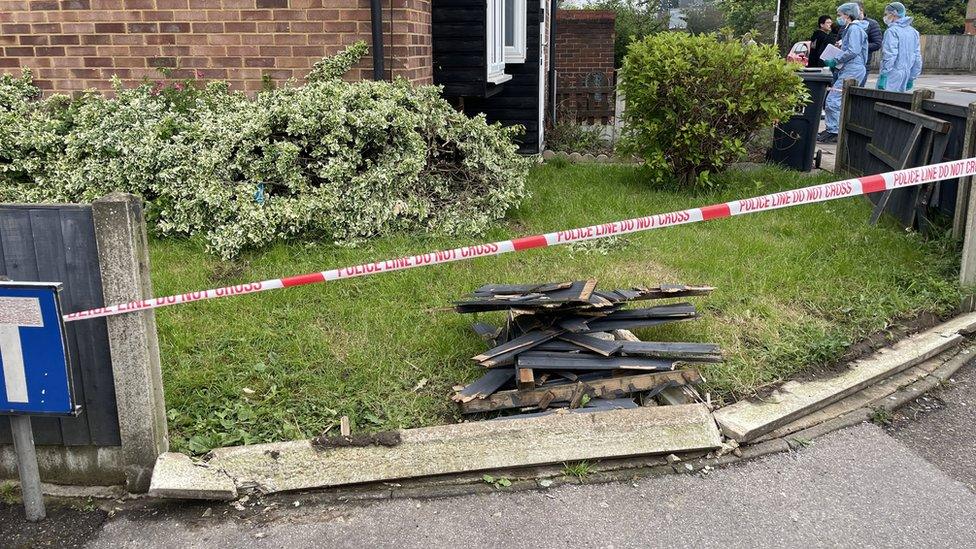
858 128
949 53
57 244
957 116
587 104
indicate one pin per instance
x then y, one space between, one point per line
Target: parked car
798 53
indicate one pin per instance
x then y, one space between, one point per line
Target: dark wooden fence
586 104
859 121
946 53
959 110
57 244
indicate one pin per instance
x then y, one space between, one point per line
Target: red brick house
491 56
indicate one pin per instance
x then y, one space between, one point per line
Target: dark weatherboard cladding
460 65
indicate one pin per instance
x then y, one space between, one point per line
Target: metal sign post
36 375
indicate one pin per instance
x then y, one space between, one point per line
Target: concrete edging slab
451 449
749 419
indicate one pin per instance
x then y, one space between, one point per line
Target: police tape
806 195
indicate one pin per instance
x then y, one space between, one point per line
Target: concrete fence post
967 273
959 221
123 254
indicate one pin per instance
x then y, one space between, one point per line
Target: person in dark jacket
818 41
875 37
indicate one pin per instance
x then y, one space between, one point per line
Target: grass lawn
795 288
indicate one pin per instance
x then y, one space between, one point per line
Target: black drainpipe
553 6
379 72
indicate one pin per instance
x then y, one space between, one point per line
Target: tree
705 19
783 26
751 15
928 16
949 16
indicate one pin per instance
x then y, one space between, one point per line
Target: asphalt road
941 427
852 488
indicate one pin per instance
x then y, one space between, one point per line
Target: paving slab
748 419
474 446
177 476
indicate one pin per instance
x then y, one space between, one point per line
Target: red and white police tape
806 195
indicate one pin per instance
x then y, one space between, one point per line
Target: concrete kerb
750 419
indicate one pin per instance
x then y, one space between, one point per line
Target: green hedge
693 101
329 159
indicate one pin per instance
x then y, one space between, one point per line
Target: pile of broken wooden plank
568 345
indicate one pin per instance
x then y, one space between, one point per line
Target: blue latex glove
883 81
832 63
911 84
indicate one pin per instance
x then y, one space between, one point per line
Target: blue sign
35 378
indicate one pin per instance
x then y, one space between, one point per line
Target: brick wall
410 50
971 17
584 44
78 44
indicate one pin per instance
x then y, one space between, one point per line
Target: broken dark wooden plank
487 332
504 353
574 324
597 345
603 325
515 289
615 387
485 385
578 295
697 352
690 352
525 379
661 311
502 296
543 360
566 374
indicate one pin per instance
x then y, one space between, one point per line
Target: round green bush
692 101
329 159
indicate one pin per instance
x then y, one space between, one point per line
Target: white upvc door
544 61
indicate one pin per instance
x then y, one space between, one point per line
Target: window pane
510 22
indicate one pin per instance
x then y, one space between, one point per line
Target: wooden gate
906 139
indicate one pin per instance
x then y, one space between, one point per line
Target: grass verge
796 287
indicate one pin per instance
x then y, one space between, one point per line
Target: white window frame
495 42
516 52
